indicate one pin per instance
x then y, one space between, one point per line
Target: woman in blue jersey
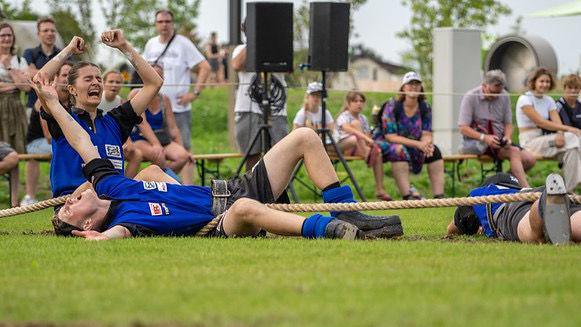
113 206
107 132
162 142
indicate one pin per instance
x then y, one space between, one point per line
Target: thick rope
411 204
316 207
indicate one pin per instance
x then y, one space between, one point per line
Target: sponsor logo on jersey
158 209
113 151
161 186
118 164
149 185
155 209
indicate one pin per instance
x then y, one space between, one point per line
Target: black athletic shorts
513 213
252 185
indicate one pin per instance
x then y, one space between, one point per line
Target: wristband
481 136
196 92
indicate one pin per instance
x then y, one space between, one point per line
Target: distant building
369 73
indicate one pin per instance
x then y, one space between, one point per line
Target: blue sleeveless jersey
66 165
166 209
154 120
481 211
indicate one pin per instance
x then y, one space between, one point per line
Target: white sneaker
28 200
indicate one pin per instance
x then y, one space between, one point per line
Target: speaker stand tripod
263 132
326 134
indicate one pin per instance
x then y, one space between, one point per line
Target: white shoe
28 200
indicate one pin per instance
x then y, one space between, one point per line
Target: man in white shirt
248 113
179 60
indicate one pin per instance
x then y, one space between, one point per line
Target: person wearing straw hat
113 206
553 218
485 122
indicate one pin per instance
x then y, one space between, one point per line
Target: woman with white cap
406 138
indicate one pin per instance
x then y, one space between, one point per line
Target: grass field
418 280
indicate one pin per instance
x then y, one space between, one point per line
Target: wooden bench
200 160
203 170
457 159
38 157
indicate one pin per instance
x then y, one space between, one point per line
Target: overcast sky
378 21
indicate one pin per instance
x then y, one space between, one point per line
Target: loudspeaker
269 30
329 36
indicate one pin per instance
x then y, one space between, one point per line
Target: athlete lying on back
113 206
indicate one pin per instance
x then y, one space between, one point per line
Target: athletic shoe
340 229
28 200
389 231
554 209
366 222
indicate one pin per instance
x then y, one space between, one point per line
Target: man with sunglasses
485 122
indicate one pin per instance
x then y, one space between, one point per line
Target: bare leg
528 160
378 174
436 174
32 174
247 217
348 145
187 173
302 143
177 155
516 164
401 174
148 154
10 165
530 228
576 227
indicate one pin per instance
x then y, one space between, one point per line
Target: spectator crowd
156 126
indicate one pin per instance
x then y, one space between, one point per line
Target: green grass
421 279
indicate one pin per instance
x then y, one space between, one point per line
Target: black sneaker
366 222
554 209
341 229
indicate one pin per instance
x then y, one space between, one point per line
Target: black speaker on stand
269 31
328 52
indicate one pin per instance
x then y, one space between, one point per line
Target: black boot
341 229
374 226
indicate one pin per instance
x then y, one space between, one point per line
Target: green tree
429 14
76 19
136 18
23 12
